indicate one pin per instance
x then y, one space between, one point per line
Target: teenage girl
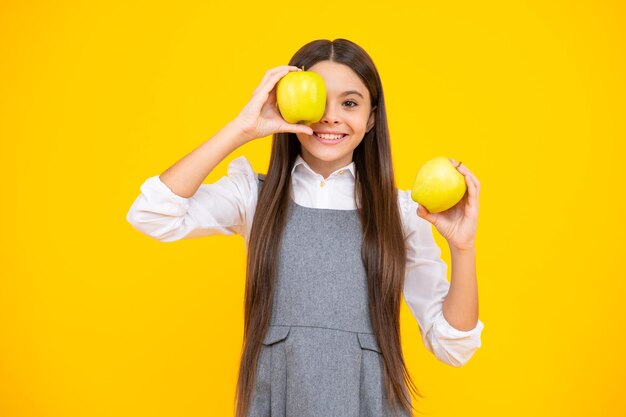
331 245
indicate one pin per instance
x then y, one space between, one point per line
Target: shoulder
411 222
242 169
405 202
241 166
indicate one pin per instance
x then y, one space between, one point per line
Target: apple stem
303 68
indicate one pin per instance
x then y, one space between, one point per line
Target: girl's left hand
458 223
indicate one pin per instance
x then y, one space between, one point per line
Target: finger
466 173
422 212
296 128
273 71
475 181
463 169
281 69
271 82
477 185
472 191
272 100
264 81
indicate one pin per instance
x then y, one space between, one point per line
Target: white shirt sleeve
426 287
225 207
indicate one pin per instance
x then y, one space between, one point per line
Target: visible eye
353 102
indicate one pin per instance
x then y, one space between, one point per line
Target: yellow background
97 319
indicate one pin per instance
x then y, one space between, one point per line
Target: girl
331 247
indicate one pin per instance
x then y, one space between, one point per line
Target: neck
325 168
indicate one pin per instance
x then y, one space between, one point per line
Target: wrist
466 249
236 130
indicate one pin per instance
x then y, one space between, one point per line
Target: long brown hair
383 250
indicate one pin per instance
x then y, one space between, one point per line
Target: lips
329 132
330 135
330 141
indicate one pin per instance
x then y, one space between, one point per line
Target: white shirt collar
300 161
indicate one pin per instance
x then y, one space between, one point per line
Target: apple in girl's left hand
438 185
301 97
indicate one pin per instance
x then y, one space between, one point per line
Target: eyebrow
345 93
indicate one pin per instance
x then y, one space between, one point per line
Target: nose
329 116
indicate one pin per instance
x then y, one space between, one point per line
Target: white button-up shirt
226 207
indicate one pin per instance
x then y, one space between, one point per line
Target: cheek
302 137
358 121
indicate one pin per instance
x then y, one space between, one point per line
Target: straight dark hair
383 250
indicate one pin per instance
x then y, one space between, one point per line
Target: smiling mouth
330 138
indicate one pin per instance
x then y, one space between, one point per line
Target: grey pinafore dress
320 357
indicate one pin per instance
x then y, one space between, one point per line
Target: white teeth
329 137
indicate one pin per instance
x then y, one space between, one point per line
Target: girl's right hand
260 117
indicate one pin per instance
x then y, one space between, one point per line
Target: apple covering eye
301 97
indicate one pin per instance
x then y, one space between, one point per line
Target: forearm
460 307
185 176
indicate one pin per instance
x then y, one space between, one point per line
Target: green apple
301 97
438 185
